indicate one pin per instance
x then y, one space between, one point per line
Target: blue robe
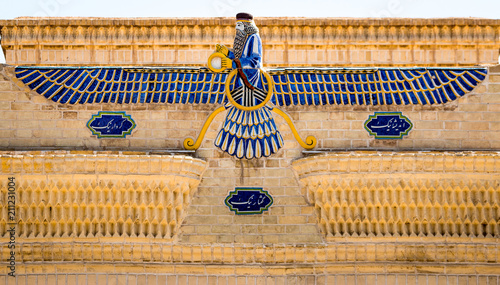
249 134
251 61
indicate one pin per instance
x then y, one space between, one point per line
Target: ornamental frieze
250 94
326 42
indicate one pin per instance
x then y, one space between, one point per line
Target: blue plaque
246 201
111 124
388 125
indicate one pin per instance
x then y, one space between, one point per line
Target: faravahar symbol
236 80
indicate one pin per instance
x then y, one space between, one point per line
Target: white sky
259 8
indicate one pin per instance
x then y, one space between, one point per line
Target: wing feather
292 86
383 86
120 85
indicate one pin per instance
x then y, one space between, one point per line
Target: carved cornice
63 31
418 253
403 194
278 34
99 162
62 195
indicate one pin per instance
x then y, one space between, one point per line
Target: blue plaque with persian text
388 125
111 124
245 201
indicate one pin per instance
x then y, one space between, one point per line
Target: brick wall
31 121
284 245
289 243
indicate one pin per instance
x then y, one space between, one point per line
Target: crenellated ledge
396 195
83 196
287 41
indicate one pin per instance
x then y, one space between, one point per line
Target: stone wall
292 242
286 41
30 121
447 165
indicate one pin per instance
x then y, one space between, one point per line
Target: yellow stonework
444 195
286 41
353 210
64 196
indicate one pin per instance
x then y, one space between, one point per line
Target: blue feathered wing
88 85
380 86
252 134
292 86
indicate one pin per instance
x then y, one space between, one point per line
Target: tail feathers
253 135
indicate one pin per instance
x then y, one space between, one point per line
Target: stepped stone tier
86 195
140 209
403 194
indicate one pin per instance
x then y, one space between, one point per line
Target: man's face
240 26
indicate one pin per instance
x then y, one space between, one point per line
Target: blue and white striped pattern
249 134
364 86
292 86
248 97
252 134
83 85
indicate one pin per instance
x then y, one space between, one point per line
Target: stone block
494 88
8 96
24 106
475 126
5 86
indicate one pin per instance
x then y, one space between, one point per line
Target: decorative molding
83 196
327 42
367 194
416 252
99 163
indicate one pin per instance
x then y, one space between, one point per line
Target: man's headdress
241 36
244 17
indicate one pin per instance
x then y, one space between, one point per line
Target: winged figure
236 80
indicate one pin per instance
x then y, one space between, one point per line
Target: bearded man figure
246 56
241 134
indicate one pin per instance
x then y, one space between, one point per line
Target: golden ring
216 54
230 98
